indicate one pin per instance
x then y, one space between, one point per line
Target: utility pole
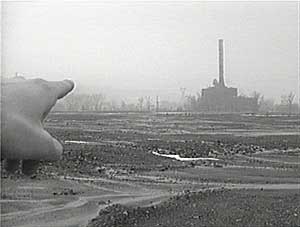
157 104
148 103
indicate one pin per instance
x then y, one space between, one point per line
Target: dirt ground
210 208
120 170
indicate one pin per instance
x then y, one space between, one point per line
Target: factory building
220 98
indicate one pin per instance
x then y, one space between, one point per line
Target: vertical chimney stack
221 63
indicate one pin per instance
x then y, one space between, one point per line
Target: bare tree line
286 104
83 102
98 102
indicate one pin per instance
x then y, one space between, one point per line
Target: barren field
167 169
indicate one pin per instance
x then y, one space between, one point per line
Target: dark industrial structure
220 98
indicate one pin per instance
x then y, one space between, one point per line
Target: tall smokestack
221 63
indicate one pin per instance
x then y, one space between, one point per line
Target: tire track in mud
75 213
128 190
78 212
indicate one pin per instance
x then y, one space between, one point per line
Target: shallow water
177 157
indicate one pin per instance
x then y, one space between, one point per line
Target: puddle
251 167
177 157
114 142
31 187
83 142
265 115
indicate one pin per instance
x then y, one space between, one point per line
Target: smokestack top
221 63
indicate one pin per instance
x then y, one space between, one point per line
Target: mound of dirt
210 208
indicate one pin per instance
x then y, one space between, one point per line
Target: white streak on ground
177 157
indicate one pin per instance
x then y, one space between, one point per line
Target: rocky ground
209 208
113 165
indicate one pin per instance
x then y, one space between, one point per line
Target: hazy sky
129 49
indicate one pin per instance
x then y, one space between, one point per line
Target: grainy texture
210 208
108 164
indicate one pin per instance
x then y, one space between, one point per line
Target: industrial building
220 98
